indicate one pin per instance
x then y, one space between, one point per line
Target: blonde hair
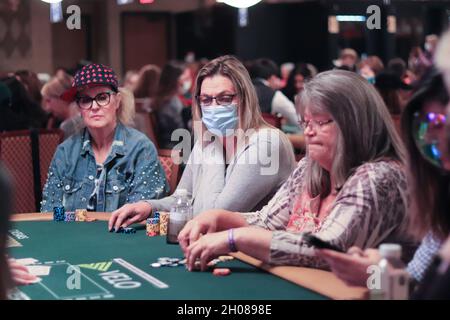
126 111
57 86
249 112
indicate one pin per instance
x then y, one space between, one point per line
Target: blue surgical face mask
220 120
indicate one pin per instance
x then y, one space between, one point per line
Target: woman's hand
351 267
205 222
206 248
129 214
445 251
20 274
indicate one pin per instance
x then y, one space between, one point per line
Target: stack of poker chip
153 226
58 214
81 215
69 216
168 262
163 223
123 230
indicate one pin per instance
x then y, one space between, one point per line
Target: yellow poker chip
225 258
81 215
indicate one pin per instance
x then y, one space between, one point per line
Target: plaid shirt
424 256
368 210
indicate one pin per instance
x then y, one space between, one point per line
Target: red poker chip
221 271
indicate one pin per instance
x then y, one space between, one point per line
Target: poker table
88 262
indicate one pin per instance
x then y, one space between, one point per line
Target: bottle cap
390 250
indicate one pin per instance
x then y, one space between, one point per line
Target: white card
39 270
26 261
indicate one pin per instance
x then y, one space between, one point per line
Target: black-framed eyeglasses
102 99
223 99
315 124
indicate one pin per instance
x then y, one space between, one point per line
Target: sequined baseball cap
89 76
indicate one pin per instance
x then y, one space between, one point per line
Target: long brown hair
168 83
430 185
147 83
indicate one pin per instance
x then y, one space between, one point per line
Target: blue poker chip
58 214
129 230
123 230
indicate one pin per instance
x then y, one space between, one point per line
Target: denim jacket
133 173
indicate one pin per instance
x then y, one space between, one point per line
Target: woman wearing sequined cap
107 164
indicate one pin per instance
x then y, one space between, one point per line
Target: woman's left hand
206 248
351 267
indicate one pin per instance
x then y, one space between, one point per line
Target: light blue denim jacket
133 173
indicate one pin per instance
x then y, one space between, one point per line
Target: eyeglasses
102 99
431 136
223 99
315 124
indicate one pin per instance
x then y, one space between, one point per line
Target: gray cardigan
252 177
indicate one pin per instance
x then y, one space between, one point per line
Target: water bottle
180 214
393 275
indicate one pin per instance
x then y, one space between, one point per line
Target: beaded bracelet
231 243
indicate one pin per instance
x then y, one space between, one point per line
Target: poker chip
225 258
163 223
152 227
213 262
58 214
69 216
163 259
168 262
81 215
221 271
123 230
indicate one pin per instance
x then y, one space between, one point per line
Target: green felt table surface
91 249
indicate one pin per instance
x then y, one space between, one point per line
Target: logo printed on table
100 266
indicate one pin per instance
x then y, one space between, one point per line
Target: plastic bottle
180 214
394 277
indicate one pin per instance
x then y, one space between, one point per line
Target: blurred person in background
30 113
130 79
31 82
65 112
348 58
266 78
390 86
296 81
146 87
175 80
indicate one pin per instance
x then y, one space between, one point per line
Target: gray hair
366 132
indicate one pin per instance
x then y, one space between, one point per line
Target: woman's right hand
128 214
206 222
20 274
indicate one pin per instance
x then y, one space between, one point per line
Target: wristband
231 243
